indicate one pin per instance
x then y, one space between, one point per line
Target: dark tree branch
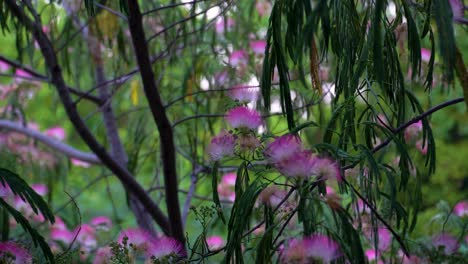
57 80
162 122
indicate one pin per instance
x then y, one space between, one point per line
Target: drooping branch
409 123
41 77
51 142
58 81
159 115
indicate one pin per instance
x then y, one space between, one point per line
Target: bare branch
51 142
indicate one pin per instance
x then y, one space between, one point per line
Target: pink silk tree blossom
244 118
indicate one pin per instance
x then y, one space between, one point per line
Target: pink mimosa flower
40 189
215 242
21 255
263 7
413 130
59 224
243 117
362 207
238 57
248 142
409 260
326 169
80 163
310 249
457 8
5 190
101 222
86 236
226 187
244 93
103 256
282 148
222 146
447 241
229 178
272 196
56 132
322 248
419 146
4 66
62 235
385 239
21 75
300 164
258 46
425 55
164 246
373 255
222 26
295 252
461 208
139 238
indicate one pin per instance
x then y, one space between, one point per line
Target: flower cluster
316 248
244 120
288 155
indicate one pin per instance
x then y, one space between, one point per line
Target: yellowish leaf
134 91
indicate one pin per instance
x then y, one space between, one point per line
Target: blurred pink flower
282 148
139 238
229 178
425 55
461 208
272 196
385 239
244 93
226 187
41 189
63 235
419 146
22 75
373 255
80 163
164 246
5 190
299 164
258 46
4 66
326 169
362 207
21 255
413 130
101 222
59 224
222 26
458 8
222 146
243 118
447 241
56 132
311 249
263 7
215 242
238 57
248 142
86 236
103 255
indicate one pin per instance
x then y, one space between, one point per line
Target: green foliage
19 187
